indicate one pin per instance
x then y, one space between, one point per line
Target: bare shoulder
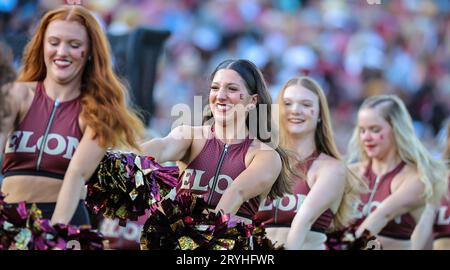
262 151
195 139
409 174
259 147
408 177
328 164
22 90
194 131
201 131
410 170
197 135
328 160
186 132
19 96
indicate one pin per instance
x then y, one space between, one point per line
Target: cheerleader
229 160
66 109
321 199
434 223
401 174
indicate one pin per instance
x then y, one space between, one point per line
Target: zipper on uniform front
278 200
47 130
216 175
372 194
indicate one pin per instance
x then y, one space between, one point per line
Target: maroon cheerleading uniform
280 212
44 142
442 222
399 228
214 169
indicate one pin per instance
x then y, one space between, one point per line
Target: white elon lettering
442 218
111 228
288 203
19 142
197 185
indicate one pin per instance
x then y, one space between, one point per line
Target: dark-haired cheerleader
226 160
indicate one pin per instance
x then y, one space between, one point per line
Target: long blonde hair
433 173
325 143
103 95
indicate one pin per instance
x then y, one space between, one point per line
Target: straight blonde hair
433 173
325 143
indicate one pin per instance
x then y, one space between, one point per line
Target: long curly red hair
103 95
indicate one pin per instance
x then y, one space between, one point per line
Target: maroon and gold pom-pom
25 229
125 185
347 240
186 223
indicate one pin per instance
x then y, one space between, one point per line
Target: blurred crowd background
354 48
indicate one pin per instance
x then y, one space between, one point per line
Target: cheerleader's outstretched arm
173 147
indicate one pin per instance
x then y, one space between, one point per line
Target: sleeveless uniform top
44 143
442 222
280 212
402 226
214 169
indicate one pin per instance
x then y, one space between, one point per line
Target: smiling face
229 97
66 46
300 110
375 133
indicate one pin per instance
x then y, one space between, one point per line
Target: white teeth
296 121
62 62
223 107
